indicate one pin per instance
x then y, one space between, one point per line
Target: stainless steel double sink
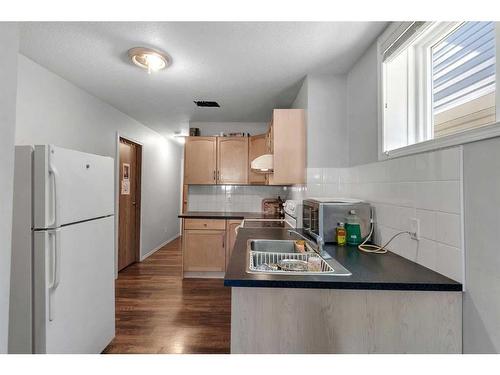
264 256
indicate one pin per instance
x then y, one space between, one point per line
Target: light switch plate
415 229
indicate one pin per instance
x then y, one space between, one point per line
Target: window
437 80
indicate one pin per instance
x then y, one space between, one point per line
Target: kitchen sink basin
274 246
270 256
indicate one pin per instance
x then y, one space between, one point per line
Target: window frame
471 135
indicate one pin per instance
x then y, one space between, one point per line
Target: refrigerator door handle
55 212
56 270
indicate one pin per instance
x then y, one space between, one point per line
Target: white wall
362 112
53 110
481 326
327 121
8 66
215 128
323 97
301 100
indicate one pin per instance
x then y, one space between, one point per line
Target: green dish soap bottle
353 229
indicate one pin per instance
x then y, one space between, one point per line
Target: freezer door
71 186
74 304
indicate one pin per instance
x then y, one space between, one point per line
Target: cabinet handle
214 175
219 176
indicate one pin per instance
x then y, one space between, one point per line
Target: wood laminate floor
159 312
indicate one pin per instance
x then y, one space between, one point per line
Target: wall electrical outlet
415 229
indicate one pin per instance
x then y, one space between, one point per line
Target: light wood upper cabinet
257 146
232 160
200 160
226 160
288 135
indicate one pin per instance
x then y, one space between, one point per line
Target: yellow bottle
340 234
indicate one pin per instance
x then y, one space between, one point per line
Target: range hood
263 164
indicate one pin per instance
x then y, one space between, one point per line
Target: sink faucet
317 246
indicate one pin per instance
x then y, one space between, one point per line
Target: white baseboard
159 247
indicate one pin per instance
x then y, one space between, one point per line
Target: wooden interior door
232 160
129 203
200 157
257 146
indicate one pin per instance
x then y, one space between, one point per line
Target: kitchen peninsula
388 305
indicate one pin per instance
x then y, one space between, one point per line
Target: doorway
129 208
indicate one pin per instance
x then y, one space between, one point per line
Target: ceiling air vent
206 103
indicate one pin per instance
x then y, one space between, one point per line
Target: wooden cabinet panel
270 138
257 146
200 158
218 224
289 145
204 250
231 237
185 193
232 160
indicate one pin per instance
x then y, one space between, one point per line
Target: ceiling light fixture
148 58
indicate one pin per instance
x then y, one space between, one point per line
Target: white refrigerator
62 284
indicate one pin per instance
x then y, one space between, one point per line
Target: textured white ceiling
248 67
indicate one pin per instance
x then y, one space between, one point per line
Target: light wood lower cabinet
207 245
231 237
204 250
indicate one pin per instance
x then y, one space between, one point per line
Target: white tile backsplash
449 261
231 197
427 253
448 229
427 223
425 186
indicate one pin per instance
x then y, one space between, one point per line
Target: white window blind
463 65
401 37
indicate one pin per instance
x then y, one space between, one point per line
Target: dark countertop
369 271
225 215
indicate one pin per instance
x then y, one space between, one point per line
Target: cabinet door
231 237
200 157
232 160
204 250
185 194
289 143
256 147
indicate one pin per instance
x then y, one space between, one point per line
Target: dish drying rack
258 258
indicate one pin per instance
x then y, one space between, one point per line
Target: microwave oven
320 216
